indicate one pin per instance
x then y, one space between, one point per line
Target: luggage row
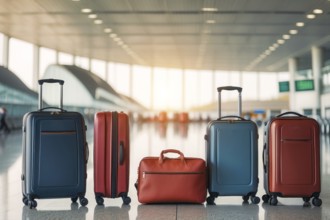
55 155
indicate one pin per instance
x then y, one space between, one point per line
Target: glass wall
21 60
154 87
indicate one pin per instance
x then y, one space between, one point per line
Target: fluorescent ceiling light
310 16
209 9
107 30
272 48
86 10
92 16
113 35
75 0
286 36
300 24
317 11
293 31
210 21
280 41
98 21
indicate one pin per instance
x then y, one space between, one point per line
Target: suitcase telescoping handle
42 81
230 88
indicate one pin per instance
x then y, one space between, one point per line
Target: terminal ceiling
236 35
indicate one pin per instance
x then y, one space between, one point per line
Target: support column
152 88
183 91
317 70
130 81
5 51
36 67
292 65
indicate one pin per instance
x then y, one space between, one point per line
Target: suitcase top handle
162 156
230 88
232 116
290 113
42 81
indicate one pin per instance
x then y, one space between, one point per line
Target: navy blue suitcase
232 155
55 153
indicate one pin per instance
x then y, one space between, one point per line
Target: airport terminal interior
160 62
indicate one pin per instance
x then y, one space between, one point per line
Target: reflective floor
149 139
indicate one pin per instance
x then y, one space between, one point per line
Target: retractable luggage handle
41 82
230 88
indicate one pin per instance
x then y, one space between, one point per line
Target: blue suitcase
232 155
55 153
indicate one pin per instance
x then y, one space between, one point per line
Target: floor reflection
149 139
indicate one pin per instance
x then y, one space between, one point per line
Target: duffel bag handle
290 113
162 156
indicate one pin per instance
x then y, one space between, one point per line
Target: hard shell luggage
171 180
111 156
291 158
232 155
55 153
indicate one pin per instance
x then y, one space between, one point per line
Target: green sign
304 85
284 86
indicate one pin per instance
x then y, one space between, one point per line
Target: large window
47 57
21 60
65 58
99 68
1 48
141 77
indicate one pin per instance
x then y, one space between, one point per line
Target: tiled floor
150 139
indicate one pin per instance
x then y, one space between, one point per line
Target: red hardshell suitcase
111 156
291 158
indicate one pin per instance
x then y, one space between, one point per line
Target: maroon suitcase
292 158
111 156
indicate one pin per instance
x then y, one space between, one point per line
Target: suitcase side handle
162 156
41 82
231 88
121 153
291 113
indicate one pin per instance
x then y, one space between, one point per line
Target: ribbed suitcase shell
232 155
111 156
292 158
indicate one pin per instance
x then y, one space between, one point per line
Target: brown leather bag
172 180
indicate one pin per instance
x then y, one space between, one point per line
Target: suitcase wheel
265 198
245 198
126 200
32 204
255 199
99 200
210 200
74 199
317 202
273 200
83 201
25 200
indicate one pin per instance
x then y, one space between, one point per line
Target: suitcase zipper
169 173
